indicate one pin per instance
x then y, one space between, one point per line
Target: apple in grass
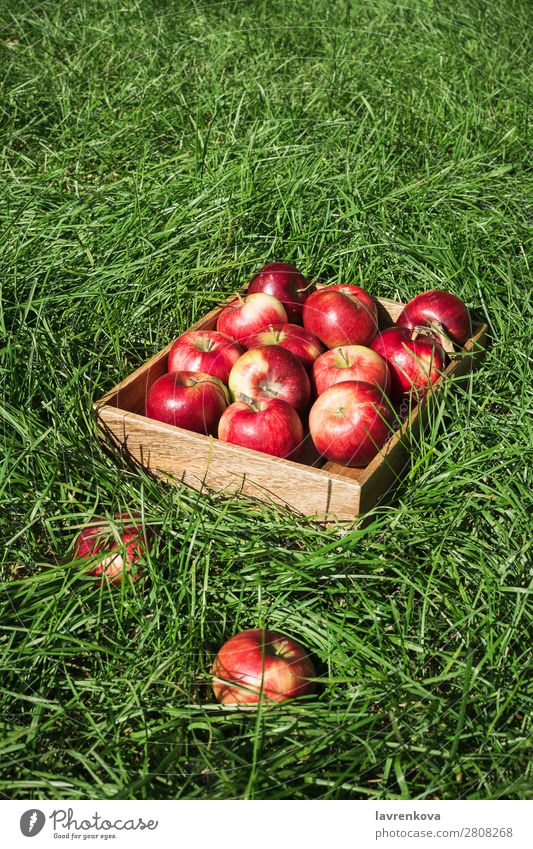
415 360
271 426
284 282
260 664
116 547
270 371
187 399
246 316
350 362
205 351
292 337
350 422
340 317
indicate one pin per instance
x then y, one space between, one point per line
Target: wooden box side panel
203 462
388 312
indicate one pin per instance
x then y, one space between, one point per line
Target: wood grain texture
311 487
204 463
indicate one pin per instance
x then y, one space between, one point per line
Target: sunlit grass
152 158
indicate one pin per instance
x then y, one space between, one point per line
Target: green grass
153 155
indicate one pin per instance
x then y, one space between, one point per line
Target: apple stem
208 378
444 339
250 401
435 330
419 330
240 298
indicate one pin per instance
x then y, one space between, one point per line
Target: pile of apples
287 357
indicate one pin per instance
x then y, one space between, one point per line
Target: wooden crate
312 486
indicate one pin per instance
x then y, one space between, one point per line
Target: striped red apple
205 351
341 315
270 372
187 399
350 362
415 360
292 337
271 426
261 664
284 282
116 547
246 316
445 313
350 422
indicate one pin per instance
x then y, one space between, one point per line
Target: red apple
340 317
187 399
246 316
271 426
257 664
350 422
205 351
353 362
270 372
121 543
285 283
292 337
415 361
445 313
356 291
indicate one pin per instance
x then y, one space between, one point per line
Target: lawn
153 155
